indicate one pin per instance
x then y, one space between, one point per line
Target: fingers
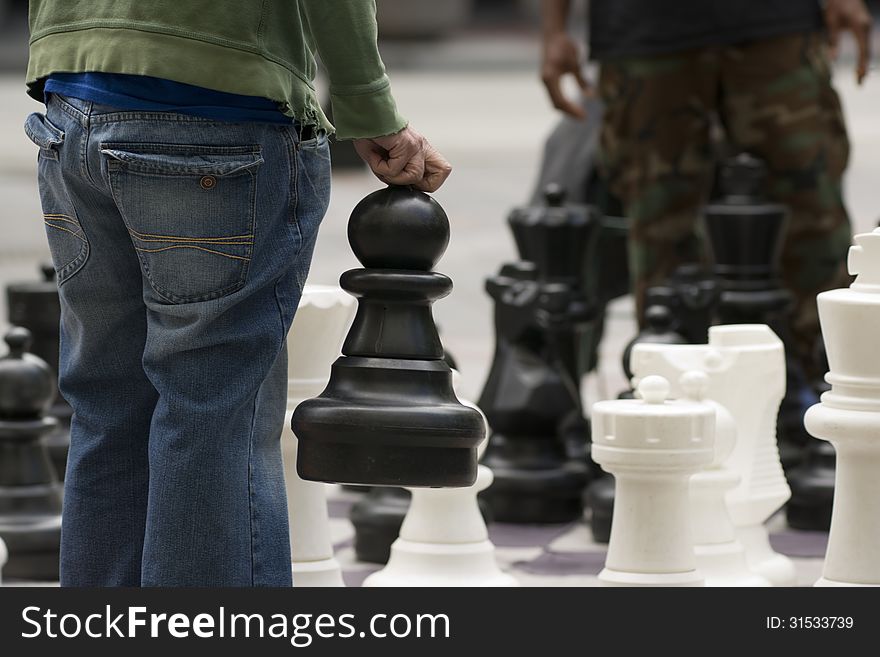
832 23
560 102
437 170
405 158
862 34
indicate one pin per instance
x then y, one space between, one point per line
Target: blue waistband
140 92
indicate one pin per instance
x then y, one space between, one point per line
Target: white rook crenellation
848 416
443 540
746 368
652 447
721 557
315 339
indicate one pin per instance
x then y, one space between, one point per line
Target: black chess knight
389 415
538 448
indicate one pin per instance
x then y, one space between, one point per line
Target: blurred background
465 72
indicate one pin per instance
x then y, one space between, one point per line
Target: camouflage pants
773 98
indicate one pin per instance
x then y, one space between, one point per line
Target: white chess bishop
652 446
720 555
849 417
314 342
746 368
443 540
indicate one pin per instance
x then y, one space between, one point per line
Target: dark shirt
144 93
623 28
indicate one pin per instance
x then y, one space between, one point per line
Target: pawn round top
653 389
743 176
659 318
695 385
48 271
554 195
27 385
398 228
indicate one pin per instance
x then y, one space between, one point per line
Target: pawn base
395 465
609 577
824 582
33 550
436 565
724 564
770 565
325 573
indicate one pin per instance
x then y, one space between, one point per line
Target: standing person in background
665 68
184 171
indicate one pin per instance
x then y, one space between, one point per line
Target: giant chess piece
740 360
30 494
378 516
389 415
538 446
849 417
525 401
745 236
35 305
696 293
322 318
720 556
659 329
652 446
443 540
4 555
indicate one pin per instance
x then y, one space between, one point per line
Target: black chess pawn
388 415
377 518
696 294
660 327
34 305
30 494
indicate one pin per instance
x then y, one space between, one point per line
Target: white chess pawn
849 417
4 555
720 556
746 368
322 320
443 540
652 447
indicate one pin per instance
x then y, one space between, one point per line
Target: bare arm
560 56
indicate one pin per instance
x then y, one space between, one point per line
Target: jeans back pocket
190 213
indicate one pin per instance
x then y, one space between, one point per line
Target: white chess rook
849 417
652 447
443 540
313 343
746 368
720 556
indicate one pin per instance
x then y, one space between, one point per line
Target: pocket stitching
160 290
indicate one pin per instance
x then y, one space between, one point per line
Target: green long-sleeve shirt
256 48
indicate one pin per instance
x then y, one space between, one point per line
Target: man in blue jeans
184 171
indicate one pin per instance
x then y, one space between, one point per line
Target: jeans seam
293 175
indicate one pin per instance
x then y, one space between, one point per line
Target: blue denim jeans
181 246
